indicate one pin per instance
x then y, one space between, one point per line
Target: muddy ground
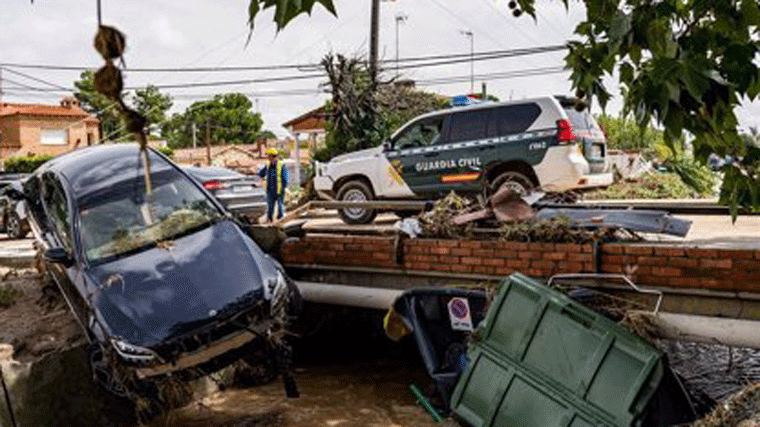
343 380
38 321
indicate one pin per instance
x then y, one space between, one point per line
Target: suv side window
57 209
512 119
468 125
421 134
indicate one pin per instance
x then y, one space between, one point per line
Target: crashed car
164 281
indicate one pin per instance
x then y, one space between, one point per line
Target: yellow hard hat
271 151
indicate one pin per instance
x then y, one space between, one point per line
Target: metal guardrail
623 277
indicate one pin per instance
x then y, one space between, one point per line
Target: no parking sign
459 314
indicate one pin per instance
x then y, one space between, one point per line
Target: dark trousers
272 200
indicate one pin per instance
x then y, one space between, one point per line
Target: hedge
25 164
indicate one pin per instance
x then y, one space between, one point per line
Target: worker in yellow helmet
276 181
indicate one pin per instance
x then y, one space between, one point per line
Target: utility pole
208 143
471 36
400 18
194 136
373 40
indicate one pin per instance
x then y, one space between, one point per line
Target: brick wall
650 264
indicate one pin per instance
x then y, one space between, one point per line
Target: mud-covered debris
740 410
439 221
555 230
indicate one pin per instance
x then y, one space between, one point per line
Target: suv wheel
515 181
14 227
356 191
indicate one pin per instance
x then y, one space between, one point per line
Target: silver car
240 194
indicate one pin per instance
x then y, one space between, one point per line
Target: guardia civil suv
539 143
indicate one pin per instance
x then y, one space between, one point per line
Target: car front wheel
356 191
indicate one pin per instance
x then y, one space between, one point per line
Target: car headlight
131 352
275 291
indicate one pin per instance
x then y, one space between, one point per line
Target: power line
506 52
426 82
36 79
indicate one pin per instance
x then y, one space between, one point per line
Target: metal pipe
706 329
354 296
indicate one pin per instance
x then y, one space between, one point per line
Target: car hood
150 296
361 154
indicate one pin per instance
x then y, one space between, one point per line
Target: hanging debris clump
110 44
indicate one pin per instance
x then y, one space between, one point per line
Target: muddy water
374 394
714 369
348 374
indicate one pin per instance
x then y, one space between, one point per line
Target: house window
54 137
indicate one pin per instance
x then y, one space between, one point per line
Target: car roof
542 101
92 168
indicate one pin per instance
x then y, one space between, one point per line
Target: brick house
45 129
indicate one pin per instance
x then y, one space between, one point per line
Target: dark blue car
164 282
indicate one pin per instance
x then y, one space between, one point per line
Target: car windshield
125 219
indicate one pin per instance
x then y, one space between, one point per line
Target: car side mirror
387 146
59 256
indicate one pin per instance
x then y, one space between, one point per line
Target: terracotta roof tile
11 109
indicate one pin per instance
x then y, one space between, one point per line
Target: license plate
241 188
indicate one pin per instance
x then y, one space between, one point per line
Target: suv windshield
126 219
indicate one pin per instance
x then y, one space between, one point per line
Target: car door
59 234
414 150
463 151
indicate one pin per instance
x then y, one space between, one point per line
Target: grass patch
8 295
651 185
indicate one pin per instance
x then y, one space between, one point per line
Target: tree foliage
286 10
351 123
359 118
625 134
149 102
152 104
100 106
227 117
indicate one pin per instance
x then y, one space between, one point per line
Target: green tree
227 117
351 123
153 105
626 134
398 104
97 104
683 63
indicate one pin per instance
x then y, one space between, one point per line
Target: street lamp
471 36
400 18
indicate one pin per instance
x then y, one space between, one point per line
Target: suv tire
356 191
15 227
514 180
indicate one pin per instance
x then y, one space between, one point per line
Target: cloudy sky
212 34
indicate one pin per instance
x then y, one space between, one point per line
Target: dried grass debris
740 410
555 230
439 221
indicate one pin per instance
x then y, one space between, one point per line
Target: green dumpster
545 360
